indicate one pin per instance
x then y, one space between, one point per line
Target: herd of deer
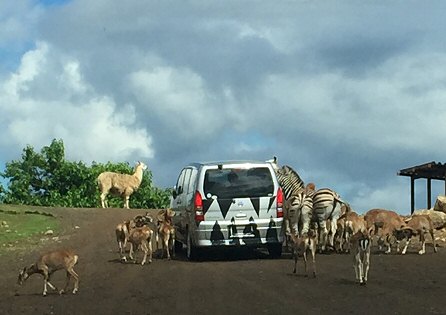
354 234
138 232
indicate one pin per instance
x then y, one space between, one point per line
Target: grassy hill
25 226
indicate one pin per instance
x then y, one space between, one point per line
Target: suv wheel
191 250
275 250
178 246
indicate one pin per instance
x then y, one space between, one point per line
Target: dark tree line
48 179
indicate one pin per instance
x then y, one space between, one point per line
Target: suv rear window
238 183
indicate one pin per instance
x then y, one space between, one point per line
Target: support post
412 194
429 193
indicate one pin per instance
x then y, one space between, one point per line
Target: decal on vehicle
271 201
256 204
224 205
217 237
271 233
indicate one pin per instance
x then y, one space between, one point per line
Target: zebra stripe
290 181
326 205
300 212
323 200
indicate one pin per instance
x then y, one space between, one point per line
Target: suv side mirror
174 192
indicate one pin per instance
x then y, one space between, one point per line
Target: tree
48 179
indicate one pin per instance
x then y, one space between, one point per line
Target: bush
47 179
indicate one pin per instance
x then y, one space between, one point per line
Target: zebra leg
333 227
323 234
312 243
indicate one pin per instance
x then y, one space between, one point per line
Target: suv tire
192 252
275 250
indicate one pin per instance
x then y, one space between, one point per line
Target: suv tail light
198 207
279 204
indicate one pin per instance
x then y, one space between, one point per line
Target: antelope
361 243
140 237
50 262
166 231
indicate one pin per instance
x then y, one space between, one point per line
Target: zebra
291 185
327 205
300 212
290 181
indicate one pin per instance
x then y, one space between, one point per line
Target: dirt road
234 282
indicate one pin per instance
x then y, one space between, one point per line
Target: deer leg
305 261
67 282
46 281
76 279
423 243
389 246
366 264
172 244
356 259
433 240
131 251
150 250
406 245
295 258
166 245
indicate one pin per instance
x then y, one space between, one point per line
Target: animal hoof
74 291
124 259
61 292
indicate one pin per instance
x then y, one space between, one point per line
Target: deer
49 263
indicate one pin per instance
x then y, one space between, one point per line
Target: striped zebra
290 181
327 205
291 185
300 212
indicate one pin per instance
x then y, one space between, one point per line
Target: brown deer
50 262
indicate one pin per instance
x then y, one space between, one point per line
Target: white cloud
93 128
179 98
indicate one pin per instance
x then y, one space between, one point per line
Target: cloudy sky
345 92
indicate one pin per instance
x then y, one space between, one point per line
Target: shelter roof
432 170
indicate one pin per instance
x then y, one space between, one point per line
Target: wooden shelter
431 170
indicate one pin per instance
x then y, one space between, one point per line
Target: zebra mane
289 171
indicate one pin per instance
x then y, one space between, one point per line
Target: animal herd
307 214
309 211
138 232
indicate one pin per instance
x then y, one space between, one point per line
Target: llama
47 264
120 184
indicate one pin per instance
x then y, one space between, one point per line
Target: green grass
23 227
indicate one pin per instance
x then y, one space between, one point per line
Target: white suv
231 203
